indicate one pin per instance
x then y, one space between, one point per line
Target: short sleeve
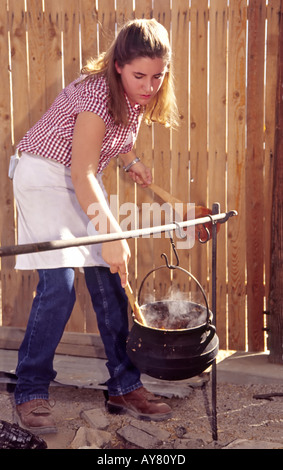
93 97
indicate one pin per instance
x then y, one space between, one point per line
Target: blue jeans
51 309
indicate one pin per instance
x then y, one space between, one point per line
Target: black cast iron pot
171 353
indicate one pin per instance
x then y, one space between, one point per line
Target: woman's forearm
87 141
92 200
127 157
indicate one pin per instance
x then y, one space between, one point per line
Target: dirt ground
239 416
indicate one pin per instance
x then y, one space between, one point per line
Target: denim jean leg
51 309
110 304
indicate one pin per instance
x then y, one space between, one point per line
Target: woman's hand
117 255
141 174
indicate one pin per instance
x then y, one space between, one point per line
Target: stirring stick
134 304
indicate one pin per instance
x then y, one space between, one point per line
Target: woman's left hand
141 174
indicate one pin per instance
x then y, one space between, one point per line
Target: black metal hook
213 222
228 215
179 230
165 257
207 233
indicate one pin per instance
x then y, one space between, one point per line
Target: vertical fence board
143 9
276 281
88 19
161 156
217 146
71 42
180 137
6 195
53 50
19 67
254 172
12 284
37 84
6 216
198 126
144 148
124 11
236 173
273 10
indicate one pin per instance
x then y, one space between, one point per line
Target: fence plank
36 49
71 40
180 136
144 148
88 19
6 194
16 289
161 159
124 11
198 127
143 9
6 213
236 173
53 50
276 281
254 172
217 147
273 10
19 67
106 20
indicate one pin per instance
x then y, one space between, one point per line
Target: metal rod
92 240
215 210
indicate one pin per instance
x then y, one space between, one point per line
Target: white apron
48 210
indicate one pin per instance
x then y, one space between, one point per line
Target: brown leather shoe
35 416
136 404
149 395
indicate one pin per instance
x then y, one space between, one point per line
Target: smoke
174 313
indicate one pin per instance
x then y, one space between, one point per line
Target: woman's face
142 78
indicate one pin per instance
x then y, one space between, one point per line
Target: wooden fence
225 63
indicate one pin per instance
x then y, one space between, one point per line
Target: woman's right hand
117 254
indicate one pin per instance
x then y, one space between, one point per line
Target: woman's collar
136 108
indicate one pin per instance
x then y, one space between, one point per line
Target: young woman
58 177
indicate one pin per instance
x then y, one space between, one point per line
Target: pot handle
211 332
208 320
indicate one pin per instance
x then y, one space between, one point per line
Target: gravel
240 417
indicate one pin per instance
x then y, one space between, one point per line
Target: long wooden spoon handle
134 304
164 195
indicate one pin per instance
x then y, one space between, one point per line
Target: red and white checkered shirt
52 135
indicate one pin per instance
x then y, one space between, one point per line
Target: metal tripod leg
215 210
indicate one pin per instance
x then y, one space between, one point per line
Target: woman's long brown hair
137 38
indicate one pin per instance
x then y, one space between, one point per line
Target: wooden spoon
199 211
134 304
